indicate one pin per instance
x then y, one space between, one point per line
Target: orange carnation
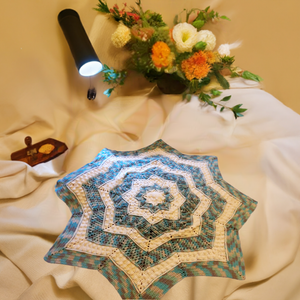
161 55
196 66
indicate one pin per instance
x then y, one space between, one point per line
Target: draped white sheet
258 154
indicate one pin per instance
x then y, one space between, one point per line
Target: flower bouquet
180 60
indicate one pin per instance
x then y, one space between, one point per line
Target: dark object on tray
40 152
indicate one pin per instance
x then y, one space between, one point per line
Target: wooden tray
40 152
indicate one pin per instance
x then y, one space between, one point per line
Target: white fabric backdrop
258 154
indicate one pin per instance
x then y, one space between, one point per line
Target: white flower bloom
121 36
208 37
224 49
184 35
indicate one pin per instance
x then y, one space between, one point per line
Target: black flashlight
86 59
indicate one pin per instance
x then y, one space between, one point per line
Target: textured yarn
148 218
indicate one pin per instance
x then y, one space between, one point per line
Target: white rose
208 37
184 35
224 50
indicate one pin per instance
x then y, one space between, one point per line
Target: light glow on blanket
91 68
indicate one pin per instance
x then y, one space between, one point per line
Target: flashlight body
86 59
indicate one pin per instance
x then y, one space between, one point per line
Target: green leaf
236 115
155 20
237 111
175 21
200 45
211 14
204 97
204 81
198 24
225 18
234 74
251 76
195 85
108 92
207 8
215 92
228 60
102 7
221 79
241 110
237 108
226 98
222 108
188 97
180 74
217 66
201 16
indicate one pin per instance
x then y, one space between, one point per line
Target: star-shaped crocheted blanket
148 218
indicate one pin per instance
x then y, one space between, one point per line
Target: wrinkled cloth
258 154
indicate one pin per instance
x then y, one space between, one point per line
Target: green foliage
180 74
162 34
139 3
204 15
141 47
217 66
153 75
207 99
251 76
228 60
221 79
198 24
215 93
140 59
200 46
225 18
187 97
125 18
175 20
113 77
108 92
204 81
195 85
234 74
141 50
102 7
156 20
237 110
182 56
118 15
227 98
